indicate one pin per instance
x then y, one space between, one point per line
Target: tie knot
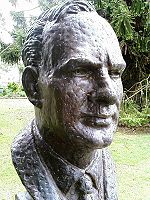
85 184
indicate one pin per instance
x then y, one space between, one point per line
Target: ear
30 84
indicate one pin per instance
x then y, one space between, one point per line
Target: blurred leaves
10 53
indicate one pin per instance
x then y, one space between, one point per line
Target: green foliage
13 90
121 21
44 4
19 19
10 53
19 37
136 114
2 20
130 115
119 16
13 87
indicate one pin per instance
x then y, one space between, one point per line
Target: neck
78 157
76 153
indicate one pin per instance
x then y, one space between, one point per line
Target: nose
103 92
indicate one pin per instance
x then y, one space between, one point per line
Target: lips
97 120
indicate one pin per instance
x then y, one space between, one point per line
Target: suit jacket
51 179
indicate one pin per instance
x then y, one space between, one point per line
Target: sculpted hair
32 50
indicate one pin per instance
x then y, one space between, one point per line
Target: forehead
86 36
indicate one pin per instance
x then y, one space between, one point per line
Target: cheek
51 106
75 94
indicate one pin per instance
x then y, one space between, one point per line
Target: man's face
82 86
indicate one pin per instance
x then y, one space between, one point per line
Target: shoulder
31 169
22 144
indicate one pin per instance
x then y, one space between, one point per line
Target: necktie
85 189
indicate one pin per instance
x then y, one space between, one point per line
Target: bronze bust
73 78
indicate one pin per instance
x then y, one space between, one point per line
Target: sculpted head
73 75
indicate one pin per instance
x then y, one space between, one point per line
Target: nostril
90 96
104 97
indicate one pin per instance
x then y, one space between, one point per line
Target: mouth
97 120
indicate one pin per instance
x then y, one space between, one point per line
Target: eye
80 72
114 74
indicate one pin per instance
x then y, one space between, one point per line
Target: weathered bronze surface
73 79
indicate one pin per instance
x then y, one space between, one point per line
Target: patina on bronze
73 79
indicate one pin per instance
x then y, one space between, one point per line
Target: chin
102 141
107 141
96 138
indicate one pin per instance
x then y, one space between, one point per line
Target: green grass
131 152
14 115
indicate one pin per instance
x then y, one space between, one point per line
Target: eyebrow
81 62
73 63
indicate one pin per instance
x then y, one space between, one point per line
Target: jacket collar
64 173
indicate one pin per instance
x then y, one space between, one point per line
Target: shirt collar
64 173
